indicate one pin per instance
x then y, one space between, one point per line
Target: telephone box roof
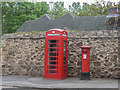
57 30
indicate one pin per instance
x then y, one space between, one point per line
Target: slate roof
91 22
68 21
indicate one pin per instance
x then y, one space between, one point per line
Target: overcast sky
69 2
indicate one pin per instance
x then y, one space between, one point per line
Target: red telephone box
56 47
85 62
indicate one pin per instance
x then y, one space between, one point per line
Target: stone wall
23 54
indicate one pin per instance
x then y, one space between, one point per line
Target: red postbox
56 47
85 62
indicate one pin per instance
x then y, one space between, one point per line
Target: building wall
23 54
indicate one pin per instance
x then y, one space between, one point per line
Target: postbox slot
84 51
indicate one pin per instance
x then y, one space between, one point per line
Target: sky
69 2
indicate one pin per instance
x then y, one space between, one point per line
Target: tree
14 14
8 20
75 8
41 8
58 9
84 10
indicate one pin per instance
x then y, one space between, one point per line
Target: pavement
15 81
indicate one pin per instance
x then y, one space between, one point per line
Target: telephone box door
52 62
53 56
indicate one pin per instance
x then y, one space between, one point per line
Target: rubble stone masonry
23 54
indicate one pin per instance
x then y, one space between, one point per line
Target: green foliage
98 8
58 9
14 14
75 8
119 7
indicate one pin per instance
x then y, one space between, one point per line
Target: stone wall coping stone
92 37
42 36
23 36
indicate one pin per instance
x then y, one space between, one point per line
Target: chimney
113 10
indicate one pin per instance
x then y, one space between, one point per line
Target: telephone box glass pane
53 56
53 45
53 49
64 56
53 41
53 63
52 67
52 71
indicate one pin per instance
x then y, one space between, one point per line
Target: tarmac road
20 82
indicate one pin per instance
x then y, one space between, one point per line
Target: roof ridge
45 15
66 14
